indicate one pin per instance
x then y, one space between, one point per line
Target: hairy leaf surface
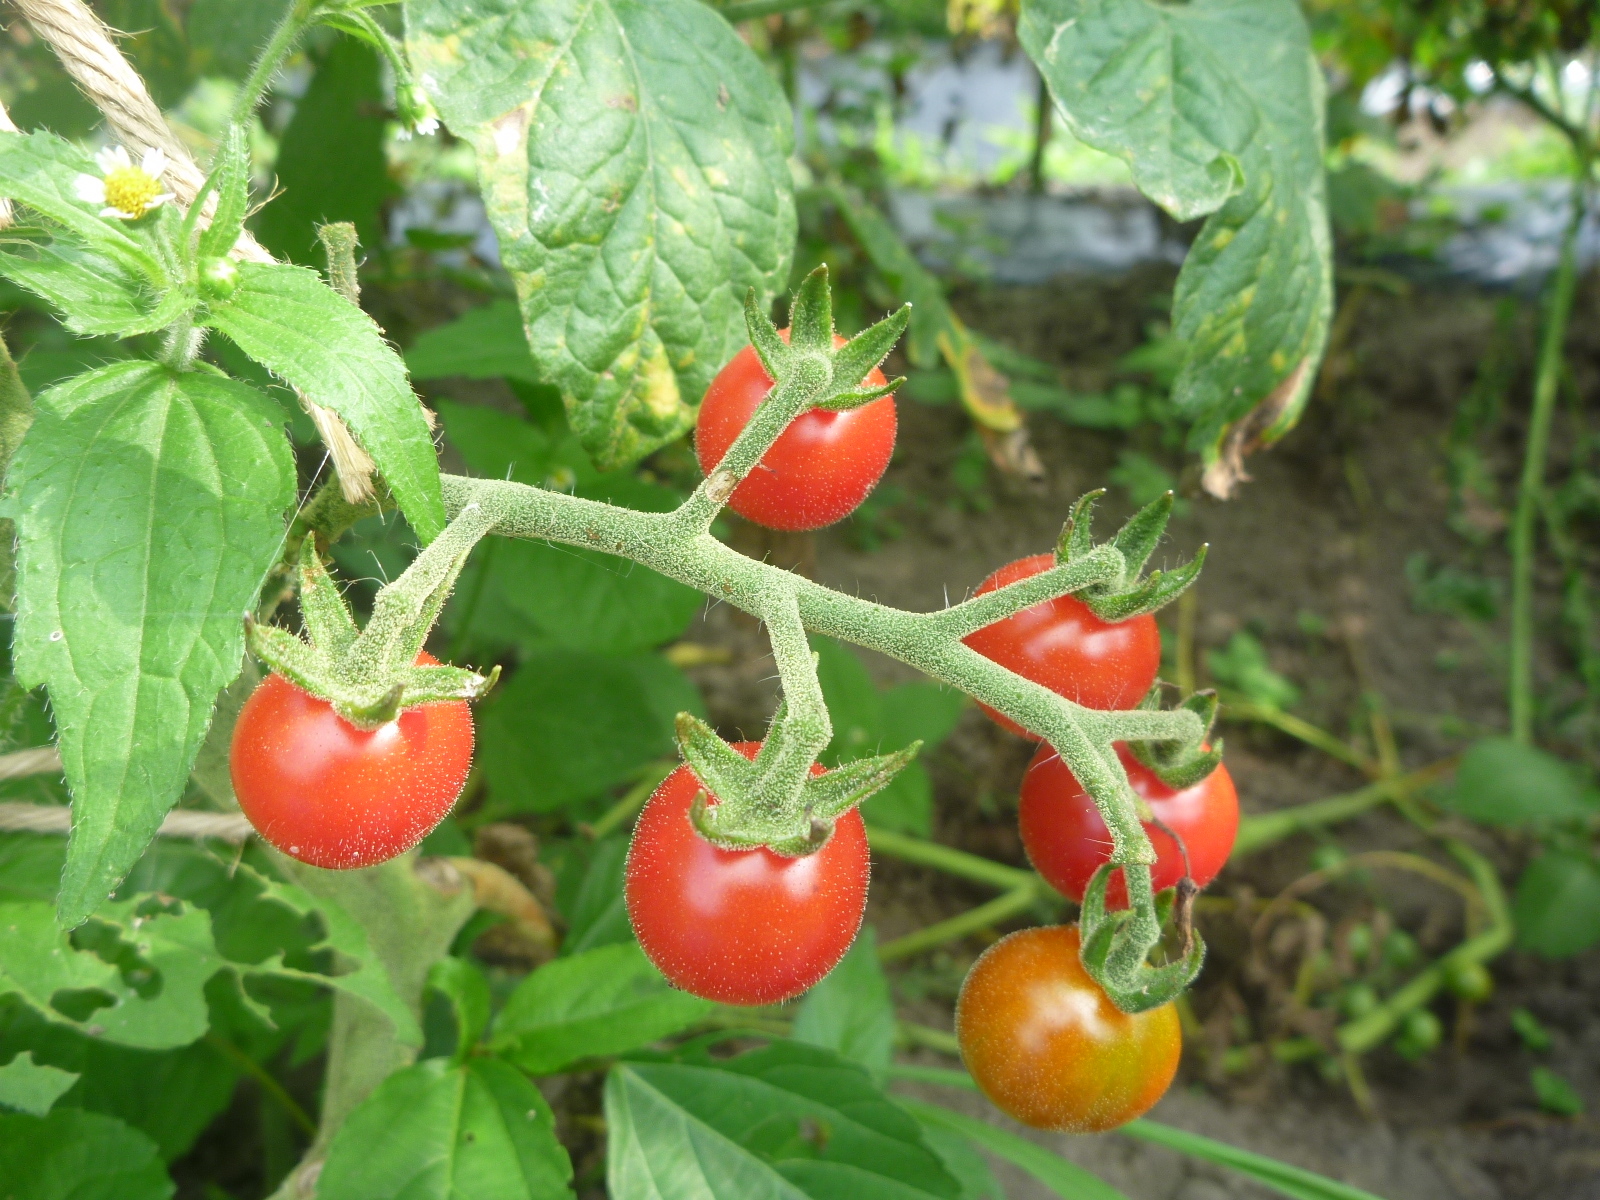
632 156
319 343
149 506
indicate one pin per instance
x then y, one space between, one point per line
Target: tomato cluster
754 927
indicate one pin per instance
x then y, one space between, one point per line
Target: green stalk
1258 832
999 909
1368 1031
1547 383
283 38
951 861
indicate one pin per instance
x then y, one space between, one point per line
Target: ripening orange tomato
1047 1046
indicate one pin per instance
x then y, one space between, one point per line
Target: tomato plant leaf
1503 782
32 1087
570 724
77 1155
148 506
485 343
94 293
602 1002
851 1011
319 343
1284 1178
589 892
367 979
1065 1178
139 981
632 155
1217 108
1557 905
437 1131
783 1122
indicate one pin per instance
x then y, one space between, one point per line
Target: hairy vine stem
928 641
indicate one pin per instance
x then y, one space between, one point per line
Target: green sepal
845 401
1139 536
854 361
1077 538
371 675
771 349
1144 987
753 809
1128 595
1182 764
811 335
811 315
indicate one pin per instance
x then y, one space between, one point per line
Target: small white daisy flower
125 191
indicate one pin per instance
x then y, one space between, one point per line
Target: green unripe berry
1420 1032
1358 1000
1469 980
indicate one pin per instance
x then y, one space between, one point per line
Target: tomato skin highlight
331 795
740 926
1046 1045
1064 646
821 467
1067 840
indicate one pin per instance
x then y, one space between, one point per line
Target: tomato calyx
758 806
1116 944
1129 593
370 675
808 371
1182 764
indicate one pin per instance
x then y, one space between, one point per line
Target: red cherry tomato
1063 645
1047 1046
335 796
821 467
740 926
1067 841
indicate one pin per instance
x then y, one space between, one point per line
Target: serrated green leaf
780 1123
1217 107
851 1011
437 1131
361 974
602 1002
149 506
31 1087
77 1155
93 293
570 724
632 157
152 996
304 332
485 343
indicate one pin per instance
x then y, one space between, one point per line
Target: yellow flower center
130 190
